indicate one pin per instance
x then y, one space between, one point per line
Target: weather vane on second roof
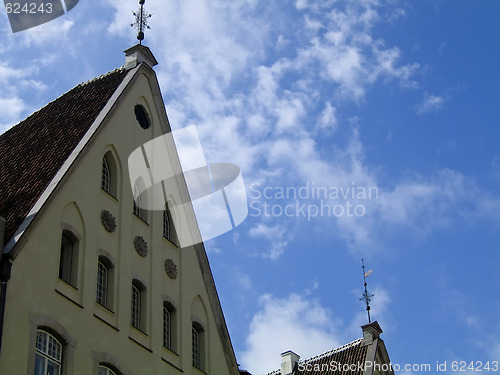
367 297
141 21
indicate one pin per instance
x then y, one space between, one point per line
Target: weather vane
367 297
141 21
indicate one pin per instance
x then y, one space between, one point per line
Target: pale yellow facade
92 334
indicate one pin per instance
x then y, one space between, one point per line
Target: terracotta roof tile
334 362
32 152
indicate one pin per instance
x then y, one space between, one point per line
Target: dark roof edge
216 306
10 246
336 350
64 93
325 354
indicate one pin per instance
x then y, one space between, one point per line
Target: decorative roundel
141 246
142 116
108 221
171 268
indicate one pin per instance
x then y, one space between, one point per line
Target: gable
33 151
75 204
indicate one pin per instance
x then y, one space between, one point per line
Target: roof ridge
333 351
81 84
323 355
117 70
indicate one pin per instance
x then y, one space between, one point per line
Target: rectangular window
68 262
196 348
106 176
136 307
102 284
166 224
167 328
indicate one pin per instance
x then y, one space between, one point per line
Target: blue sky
400 97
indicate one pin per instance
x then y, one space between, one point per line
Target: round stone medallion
141 246
171 268
108 221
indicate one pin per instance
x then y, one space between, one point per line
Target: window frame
195 347
52 326
138 306
198 345
137 210
69 258
109 370
45 353
109 174
106 176
169 327
166 223
102 284
105 293
171 233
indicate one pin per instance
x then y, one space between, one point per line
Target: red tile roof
343 360
33 151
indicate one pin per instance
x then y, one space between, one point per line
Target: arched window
139 196
109 177
105 370
106 176
68 259
138 306
198 345
166 223
49 354
169 326
169 231
104 295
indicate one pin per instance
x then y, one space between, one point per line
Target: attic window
142 116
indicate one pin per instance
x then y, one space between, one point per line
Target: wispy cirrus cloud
430 103
17 82
258 104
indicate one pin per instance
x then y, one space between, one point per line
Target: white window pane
167 328
39 364
103 370
53 368
196 348
41 341
102 284
54 349
136 307
48 354
106 176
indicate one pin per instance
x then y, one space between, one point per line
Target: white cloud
301 324
430 103
51 33
277 236
17 82
11 109
328 120
242 279
292 323
261 108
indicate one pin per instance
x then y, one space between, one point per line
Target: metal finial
141 21
367 297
